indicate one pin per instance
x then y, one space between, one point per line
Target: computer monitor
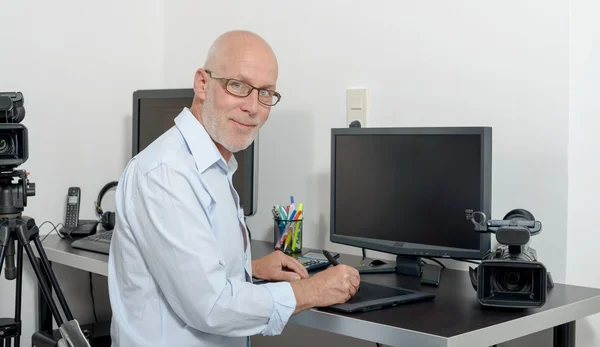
154 112
404 191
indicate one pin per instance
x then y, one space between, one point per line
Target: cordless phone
72 213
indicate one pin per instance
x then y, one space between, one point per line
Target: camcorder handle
517 219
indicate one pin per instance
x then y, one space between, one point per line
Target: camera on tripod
510 275
13 152
15 228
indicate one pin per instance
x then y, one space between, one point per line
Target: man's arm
332 286
168 212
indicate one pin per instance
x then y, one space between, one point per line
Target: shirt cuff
284 304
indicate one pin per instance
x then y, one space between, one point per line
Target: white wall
77 64
457 63
584 146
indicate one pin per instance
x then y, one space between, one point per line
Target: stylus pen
330 258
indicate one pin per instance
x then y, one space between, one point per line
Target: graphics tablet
375 296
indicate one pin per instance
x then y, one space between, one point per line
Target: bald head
239 47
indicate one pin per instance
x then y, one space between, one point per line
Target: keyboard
309 264
312 263
99 243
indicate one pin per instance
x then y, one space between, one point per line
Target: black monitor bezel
421 250
250 154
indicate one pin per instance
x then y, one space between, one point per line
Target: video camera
510 275
13 136
14 151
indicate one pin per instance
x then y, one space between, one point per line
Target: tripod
15 228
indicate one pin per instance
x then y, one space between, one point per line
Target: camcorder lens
513 280
7 146
509 283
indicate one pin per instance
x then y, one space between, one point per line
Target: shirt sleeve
168 211
285 304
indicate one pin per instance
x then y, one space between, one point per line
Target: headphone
519 214
107 219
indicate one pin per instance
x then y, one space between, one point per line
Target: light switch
357 102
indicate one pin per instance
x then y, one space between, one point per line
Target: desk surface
60 251
454 318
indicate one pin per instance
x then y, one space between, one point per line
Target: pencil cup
287 235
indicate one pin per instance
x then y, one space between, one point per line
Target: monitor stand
404 265
371 266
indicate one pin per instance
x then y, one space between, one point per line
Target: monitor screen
154 112
405 190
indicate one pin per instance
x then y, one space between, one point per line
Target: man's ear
200 84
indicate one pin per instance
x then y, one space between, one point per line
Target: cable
467 261
55 228
437 261
93 301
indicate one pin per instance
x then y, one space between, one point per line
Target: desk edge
365 330
77 261
527 325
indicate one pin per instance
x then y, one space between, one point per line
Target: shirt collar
201 145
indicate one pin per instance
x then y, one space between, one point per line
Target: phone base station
83 228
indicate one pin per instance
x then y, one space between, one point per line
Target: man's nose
250 103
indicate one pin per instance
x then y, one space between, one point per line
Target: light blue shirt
178 274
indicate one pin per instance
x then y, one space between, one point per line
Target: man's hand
278 267
335 285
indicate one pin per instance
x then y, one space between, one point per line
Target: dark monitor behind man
154 112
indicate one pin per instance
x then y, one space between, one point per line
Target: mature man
180 266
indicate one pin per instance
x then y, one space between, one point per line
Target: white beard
215 125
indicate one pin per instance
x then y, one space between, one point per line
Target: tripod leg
4 244
38 274
50 274
19 292
4 239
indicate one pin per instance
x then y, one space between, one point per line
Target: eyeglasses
241 89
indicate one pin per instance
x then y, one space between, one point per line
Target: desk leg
44 314
564 335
